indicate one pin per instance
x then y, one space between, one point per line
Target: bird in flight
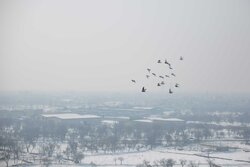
170 91
166 62
162 77
169 65
143 89
173 74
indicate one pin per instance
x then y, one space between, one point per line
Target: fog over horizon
102 45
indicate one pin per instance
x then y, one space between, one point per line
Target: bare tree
67 152
211 163
46 161
167 162
192 164
59 157
120 159
156 164
115 159
170 162
6 157
183 162
146 163
77 157
92 164
140 165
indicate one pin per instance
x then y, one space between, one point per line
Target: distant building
167 121
72 118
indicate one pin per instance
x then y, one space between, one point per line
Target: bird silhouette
166 62
167 76
162 78
170 91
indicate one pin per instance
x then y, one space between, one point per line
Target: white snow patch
143 120
109 122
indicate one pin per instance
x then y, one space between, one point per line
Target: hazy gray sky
102 45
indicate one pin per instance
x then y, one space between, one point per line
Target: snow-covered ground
109 122
153 155
143 120
224 159
235 124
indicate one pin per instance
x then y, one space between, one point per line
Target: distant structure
72 118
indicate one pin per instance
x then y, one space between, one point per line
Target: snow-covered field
224 159
132 159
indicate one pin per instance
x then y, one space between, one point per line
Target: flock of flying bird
161 77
